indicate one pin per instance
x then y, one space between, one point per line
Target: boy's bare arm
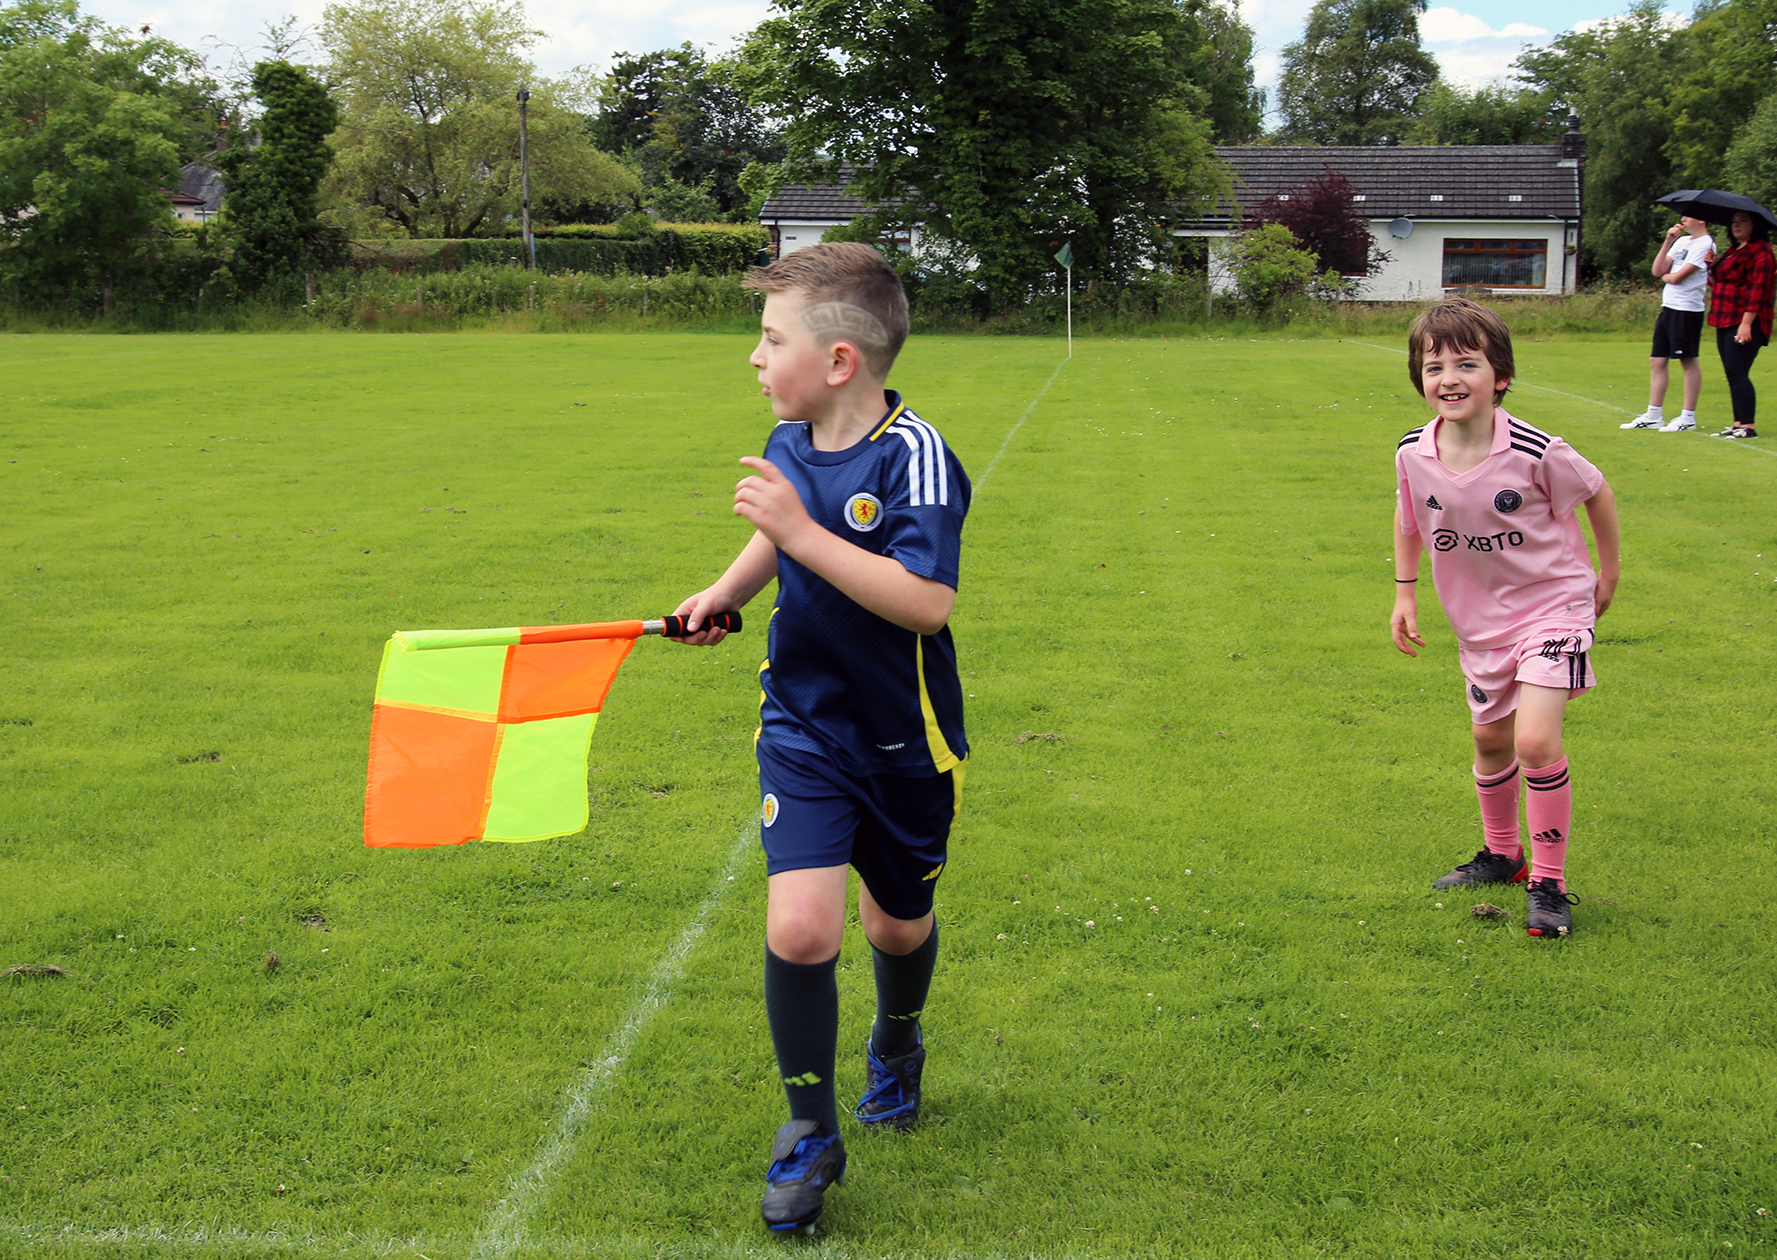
751 571
1403 624
1601 511
881 584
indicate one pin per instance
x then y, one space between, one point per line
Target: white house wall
1415 269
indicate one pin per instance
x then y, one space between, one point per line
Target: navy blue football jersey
840 681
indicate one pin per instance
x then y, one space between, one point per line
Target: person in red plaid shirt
1742 287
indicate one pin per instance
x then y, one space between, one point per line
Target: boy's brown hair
839 275
1459 324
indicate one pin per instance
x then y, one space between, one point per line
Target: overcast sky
1473 44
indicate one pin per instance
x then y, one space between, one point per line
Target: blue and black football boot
892 1098
802 1167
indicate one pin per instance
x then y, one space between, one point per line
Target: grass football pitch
1197 997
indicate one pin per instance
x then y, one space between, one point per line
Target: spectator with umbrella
1742 292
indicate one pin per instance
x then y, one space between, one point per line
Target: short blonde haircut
1459 324
838 275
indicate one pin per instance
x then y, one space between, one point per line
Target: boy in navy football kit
858 508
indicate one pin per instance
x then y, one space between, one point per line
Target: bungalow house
1499 217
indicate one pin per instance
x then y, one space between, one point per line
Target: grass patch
1197 996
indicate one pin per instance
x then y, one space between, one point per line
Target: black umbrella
1714 206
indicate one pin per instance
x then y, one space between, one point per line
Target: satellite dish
1401 229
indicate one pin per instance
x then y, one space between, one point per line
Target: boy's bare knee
802 941
1535 754
898 936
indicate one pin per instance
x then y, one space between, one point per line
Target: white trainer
1646 420
1680 424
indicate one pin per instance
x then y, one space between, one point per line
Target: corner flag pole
1065 256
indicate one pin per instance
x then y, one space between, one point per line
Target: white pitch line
994 462
1548 390
503 1231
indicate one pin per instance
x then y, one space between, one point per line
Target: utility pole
524 177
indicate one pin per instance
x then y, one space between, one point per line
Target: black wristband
1405 581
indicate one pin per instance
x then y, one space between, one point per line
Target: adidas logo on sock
807 1078
1551 836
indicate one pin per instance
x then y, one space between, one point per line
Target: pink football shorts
1548 658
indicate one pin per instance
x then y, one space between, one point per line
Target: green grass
1185 712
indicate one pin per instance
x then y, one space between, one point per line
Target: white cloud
1451 26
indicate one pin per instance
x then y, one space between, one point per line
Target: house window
1436 197
1495 264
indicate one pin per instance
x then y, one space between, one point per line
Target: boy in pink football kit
1494 500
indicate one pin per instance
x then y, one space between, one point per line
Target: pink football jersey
1506 549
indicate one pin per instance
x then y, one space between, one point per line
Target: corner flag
483 734
1065 256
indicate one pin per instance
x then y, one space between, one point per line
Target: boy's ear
844 361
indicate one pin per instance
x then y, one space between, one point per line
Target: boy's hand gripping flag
483 734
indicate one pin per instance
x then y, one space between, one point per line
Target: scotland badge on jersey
864 512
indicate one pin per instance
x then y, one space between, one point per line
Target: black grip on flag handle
674 627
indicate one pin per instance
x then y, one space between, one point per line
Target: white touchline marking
233 1241
503 1230
992 463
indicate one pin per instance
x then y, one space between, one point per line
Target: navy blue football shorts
894 829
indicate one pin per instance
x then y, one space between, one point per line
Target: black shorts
1677 334
894 829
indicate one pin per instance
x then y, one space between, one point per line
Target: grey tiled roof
204 183
819 203
1418 182
1415 182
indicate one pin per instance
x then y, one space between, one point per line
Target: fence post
308 288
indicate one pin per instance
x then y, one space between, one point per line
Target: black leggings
1736 361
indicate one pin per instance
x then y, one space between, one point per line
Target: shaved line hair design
853 294
1459 324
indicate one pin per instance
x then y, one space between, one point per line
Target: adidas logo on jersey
1433 504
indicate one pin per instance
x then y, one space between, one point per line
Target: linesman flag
483 734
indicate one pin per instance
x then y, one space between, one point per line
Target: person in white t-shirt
1493 499
1683 267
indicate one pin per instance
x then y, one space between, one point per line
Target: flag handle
672 627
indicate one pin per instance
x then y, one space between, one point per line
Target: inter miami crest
1508 501
864 512
1475 693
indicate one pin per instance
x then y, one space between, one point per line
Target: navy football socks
802 1004
902 982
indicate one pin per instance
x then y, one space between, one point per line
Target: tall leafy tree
273 188
1731 65
1491 114
94 123
1751 166
1357 74
1002 126
428 130
683 121
1618 78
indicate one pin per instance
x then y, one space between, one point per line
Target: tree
428 132
1324 219
1731 66
1751 166
1266 264
1493 114
1357 74
272 189
1618 78
683 121
94 123
1001 125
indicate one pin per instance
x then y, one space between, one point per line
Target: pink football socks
1549 811
1499 811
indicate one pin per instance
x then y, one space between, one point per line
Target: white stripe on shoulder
924 435
912 462
937 442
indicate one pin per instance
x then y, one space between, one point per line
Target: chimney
1573 144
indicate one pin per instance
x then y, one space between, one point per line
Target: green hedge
606 249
